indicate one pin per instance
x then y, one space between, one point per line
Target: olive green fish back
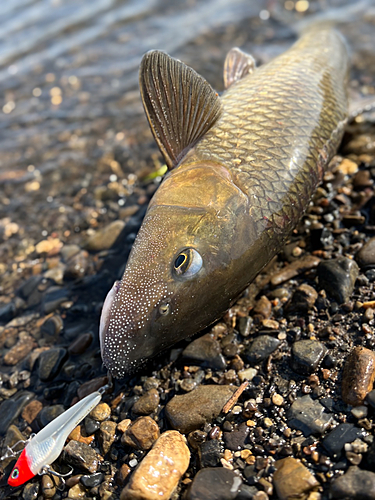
280 126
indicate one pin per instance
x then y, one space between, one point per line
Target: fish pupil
180 261
15 474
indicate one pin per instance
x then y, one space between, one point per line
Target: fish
46 446
243 167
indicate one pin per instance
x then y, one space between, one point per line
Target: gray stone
356 484
50 363
366 256
308 416
192 410
210 453
307 356
261 347
337 277
215 484
82 456
335 441
11 408
205 350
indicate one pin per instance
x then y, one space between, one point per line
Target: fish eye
164 309
15 474
187 263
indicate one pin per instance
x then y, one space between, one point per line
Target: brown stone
292 479
107 434
31 410
80 344
294 269
19 351
141 434
160 471
147 403
122 474
358 376
101 412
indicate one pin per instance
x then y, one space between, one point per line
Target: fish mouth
106 313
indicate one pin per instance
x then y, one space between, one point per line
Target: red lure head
21 471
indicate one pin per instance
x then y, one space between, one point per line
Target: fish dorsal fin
181 106
237 65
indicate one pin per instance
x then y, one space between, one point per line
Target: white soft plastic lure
45 447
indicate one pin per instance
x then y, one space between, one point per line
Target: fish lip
106 313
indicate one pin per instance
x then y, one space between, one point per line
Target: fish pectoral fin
181 106
237 65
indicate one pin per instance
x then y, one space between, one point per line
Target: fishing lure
45 447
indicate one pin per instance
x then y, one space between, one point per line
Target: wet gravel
300 339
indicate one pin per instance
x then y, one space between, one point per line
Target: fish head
178 278
21 472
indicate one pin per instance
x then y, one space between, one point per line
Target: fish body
46 446
243 169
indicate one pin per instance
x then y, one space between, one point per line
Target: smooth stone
31 410
49 413
261 348
147 403
192 410
247 374
358 376
77 492
92 480
141 434
366 256
19 351
50 363
101 412
107 435
359 412
30 491
292 479
82 456
235 440
160 471
77 266
307 356
247 492
48 486
294 269
205 350
11 408
52 326
53 298
308 416
335 441
303 299
210 453
80 345
215 483
244 325
91 426
356 484
263 307
337 277
104 238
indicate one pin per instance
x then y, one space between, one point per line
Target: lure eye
187 263
164 309
15 474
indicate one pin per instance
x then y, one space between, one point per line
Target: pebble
263 307
159 473
141 434
77 266
210 453
244 325
303 299
294 269
337 277
11 408
359 411
366 256
307 356
19 351
216 483
77 491
261 348
82 456
104 238
101 412
92 480
91 386
356 484
48 413
48 486
50 363
81 343
205 350
192 410
31 410
30 491
247 374
235 440
308 416
52 326
122 474
277 399
292 479
147 403
344 433
107 435
358 376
